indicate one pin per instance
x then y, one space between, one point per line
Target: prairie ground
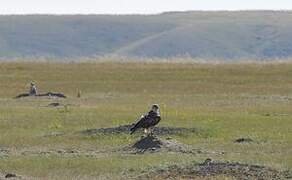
223 102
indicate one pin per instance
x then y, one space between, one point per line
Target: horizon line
145 14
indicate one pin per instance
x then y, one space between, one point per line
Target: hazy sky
134 6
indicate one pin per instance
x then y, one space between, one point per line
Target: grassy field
224 101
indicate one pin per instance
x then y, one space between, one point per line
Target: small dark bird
148 121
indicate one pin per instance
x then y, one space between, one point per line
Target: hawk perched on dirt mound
148 121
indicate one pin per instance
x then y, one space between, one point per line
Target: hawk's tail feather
135 126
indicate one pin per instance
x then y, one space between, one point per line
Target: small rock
10 175
243 140
199 151
55 104
60 151
72 151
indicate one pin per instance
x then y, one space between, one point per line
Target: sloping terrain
207 35
224 35
70 36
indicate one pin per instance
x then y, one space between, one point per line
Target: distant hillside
222 35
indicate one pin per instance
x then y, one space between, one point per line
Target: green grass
224 101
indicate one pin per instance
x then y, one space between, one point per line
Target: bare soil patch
48 94
210 170
52 152
126 129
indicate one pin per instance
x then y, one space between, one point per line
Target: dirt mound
210 169
48 94
112 130
154 144
126 129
